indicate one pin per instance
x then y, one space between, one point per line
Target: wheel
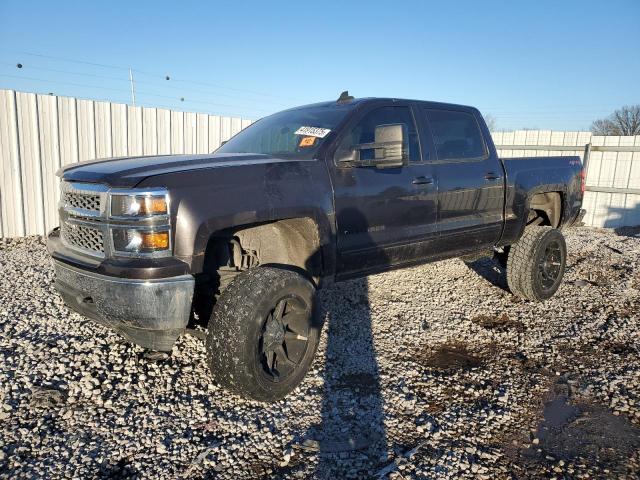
263 333
536 263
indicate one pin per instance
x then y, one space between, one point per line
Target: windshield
298 132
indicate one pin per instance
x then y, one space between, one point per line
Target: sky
536 64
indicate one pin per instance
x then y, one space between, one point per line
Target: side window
456 135
364 131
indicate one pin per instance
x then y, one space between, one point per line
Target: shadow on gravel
350 439
491 271
627 231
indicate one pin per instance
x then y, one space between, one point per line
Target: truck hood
127 172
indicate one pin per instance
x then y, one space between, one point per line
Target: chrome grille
84 201
83 237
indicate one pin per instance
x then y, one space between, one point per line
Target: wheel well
546 206
292 243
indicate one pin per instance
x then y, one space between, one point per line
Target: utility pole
133 89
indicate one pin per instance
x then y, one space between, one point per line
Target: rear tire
536 263
263 333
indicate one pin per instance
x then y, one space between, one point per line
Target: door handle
492 176
422 180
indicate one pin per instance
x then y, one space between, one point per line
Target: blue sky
536 64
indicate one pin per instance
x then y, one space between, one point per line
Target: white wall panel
202 133
134 133
49 156
164 131
11 211
119 138
190 140
68 130
86 130
149 131
214 132
103 129
32 190
177 133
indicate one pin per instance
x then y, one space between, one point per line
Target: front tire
536 263
263 333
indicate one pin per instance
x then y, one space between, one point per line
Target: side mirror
388 150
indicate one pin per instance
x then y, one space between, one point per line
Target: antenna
345 97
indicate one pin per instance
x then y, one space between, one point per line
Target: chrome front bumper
151 313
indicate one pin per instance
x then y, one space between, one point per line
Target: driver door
385 213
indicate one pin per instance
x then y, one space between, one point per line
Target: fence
612 196
41 133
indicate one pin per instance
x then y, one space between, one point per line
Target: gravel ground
430 372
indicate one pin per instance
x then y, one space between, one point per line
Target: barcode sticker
313 131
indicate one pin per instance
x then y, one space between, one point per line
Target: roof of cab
373 100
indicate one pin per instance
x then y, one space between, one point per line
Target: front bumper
151 313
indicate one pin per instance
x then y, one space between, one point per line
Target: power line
96 64
122 79
71 60
125 101
144 93
46 69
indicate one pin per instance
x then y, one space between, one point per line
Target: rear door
470 181
381 213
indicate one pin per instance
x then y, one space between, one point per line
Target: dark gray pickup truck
242 238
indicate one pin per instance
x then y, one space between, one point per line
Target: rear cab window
456 135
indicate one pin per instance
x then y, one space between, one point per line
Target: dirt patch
498 323
620 348
450 356
627 309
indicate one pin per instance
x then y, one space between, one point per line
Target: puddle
587 431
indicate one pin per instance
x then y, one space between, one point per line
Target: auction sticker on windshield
313 131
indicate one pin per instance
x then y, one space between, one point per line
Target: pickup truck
242 238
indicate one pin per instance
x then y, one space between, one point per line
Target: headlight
145 205
139 223
138 242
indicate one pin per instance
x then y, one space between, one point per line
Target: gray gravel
430 372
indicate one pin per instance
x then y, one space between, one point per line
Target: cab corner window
381 134
456 135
